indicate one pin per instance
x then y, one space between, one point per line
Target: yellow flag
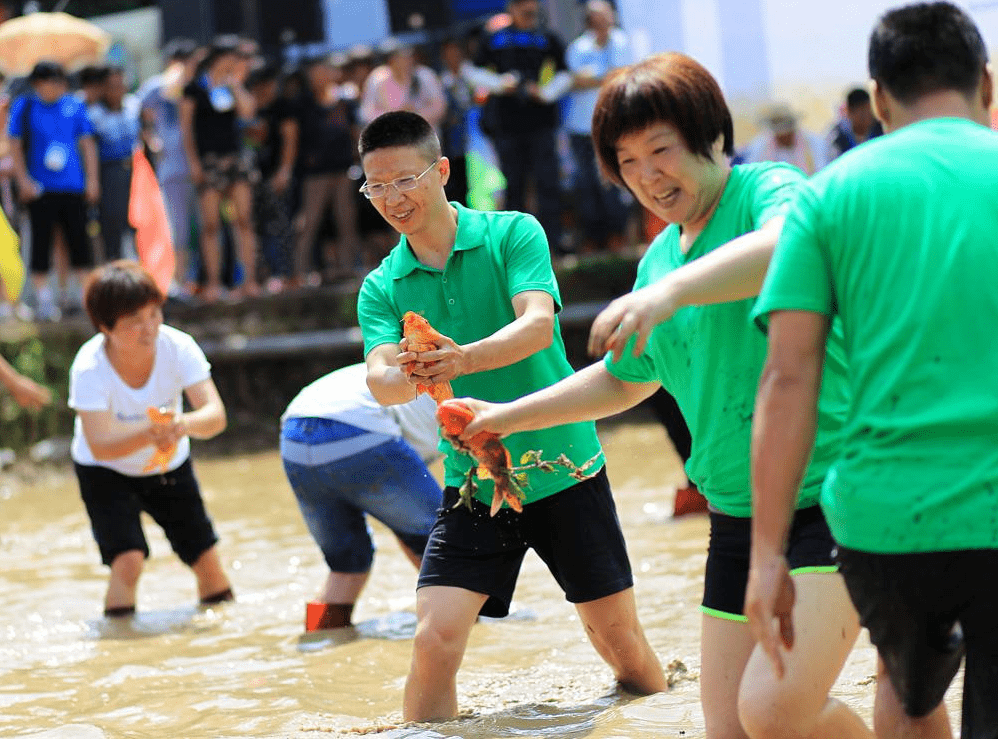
11 266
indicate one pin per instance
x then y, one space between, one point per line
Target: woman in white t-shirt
133 369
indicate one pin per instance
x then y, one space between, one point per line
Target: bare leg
208 570
242 200
725 647
445 617
314 197
891 722
125 571
209 202
343 587
797 705
416 560
348 246
612 626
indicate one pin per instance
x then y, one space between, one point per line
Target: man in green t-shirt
484 281
897 239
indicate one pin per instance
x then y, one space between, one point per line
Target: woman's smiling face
666 177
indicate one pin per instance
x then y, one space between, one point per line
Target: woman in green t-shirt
663 130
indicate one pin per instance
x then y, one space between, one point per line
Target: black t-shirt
536 55
274 116
215 131
326 141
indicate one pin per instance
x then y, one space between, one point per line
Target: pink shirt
382 93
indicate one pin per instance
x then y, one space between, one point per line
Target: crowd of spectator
257 161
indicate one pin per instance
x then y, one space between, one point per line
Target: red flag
147 214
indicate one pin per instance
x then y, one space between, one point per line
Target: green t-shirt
710 357
899 239
496 256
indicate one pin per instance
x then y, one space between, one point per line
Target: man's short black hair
93 74
857 98
179 49
399 128
924 48
47 70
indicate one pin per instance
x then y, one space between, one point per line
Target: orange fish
160 457
488 450
423 338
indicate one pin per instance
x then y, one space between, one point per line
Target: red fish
488 450
160 457
423 338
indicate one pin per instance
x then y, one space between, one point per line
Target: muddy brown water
247 670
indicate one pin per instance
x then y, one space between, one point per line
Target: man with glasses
485 281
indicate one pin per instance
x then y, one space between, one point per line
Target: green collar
472 226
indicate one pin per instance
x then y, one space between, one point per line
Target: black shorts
69 211
809 550
222 171
576 532
114 502
924 611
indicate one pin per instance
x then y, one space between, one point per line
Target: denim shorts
575 532
387 479
114 502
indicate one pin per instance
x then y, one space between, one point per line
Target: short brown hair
664 88
117 289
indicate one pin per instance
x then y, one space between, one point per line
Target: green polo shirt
897 238
496 256
710 357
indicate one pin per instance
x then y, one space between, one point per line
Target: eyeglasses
402 184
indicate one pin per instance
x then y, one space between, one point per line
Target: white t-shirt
95 386
343 396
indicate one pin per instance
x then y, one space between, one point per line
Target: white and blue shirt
585 53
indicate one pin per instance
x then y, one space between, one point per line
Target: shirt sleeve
799 276
558 54
775 193
631 368
573 60
527 257
379 322
87 390
14 119
192 364
82 122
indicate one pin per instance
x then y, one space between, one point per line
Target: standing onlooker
132 366
115 119
91 83
327 151
402 84
55 165
213 105
856 126
160 96
523 67
275 133
785 141
601 48
460 94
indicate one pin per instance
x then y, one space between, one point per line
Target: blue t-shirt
117 131
172 161
53 158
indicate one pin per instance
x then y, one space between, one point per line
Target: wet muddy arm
207 419
734 271
784 424
531 332
588 395
386 380
107 439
